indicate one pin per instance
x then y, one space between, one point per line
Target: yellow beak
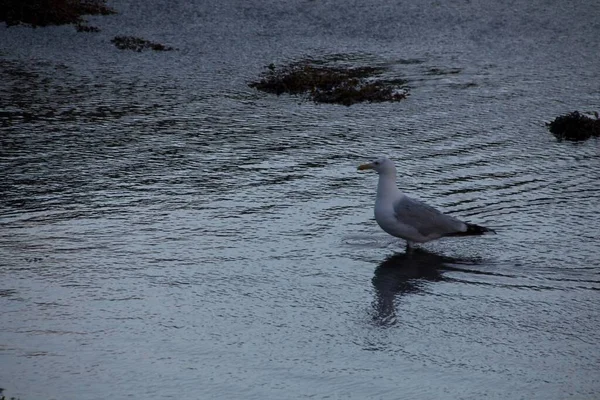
365 166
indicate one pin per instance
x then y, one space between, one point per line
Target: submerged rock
575 126
138 44
325 83
50 12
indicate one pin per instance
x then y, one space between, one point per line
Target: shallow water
167 231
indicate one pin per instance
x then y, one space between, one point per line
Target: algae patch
138 44
51 12
323 82
575 126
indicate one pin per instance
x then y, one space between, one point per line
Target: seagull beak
365 166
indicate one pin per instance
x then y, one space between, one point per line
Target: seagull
410 219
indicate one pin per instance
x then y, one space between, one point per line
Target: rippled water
166 231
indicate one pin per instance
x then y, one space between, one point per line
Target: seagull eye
376 162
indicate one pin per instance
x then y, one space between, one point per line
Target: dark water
166 231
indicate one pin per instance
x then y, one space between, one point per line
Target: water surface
165 230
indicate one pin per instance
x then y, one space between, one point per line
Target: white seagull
410 219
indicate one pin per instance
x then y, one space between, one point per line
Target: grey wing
426 219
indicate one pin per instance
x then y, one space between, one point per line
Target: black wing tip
473 229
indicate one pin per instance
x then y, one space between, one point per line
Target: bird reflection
401 274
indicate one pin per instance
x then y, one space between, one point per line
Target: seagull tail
474 230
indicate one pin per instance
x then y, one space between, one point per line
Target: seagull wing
426 219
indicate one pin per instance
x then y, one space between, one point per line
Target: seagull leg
409 247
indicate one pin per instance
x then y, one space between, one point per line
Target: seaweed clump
86 28
50 12
331 84
138 44
575 126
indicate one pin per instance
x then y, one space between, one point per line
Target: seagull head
381 166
